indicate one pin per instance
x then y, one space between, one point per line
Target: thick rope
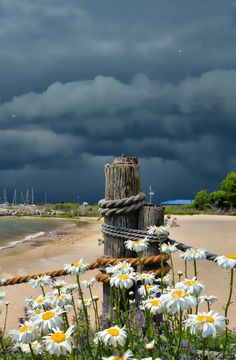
121 206
132 234
100 262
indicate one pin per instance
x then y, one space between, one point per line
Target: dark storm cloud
94 80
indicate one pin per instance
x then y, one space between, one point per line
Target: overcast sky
84 81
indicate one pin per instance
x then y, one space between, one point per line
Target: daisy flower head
50 319
137 245
150 346
146 278
40 281
155 305
58 284
59 342
2 299
162 230
89 283
87 303
76 268
169 248
207 323
208 298
26 333
123 267
35 346
112 336
121 280
192 286
110 270
61 300
69 288
39 302
227 261
128 355
177 300
148 290
194 254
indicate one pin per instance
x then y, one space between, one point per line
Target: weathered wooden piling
122 180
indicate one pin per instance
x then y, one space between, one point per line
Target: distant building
177 202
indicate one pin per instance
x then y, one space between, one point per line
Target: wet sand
71 242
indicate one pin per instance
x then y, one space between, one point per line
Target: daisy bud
131 293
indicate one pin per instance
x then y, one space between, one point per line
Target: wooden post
151 215
122 180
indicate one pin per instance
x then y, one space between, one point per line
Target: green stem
43 292
180 333
86 317
203 349
3 348
5 320
195 268
78 334
32 352
172 270
226 309
94 308
127 320
185 269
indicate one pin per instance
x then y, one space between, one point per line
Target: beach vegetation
167 320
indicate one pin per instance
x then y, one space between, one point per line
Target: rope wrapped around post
100 262
121 206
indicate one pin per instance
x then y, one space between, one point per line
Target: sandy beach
71 242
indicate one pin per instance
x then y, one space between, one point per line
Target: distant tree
229 186
219 199
201 200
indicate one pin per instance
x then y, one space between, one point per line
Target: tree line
224 198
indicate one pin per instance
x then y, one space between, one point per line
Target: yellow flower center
62 297
58 337
205 318
179 293
123 277
136 242
113 332
118 358
39 301
86 301
25 328
37 311
230 256
149 287
48 315
155 302
76 265
190 282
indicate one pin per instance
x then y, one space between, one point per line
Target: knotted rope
100 262
121 206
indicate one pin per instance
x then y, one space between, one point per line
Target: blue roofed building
178 202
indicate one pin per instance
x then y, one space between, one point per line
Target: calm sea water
14 229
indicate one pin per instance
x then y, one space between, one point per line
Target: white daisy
121 280
150 345
39 302
26 333
155 305
177 300
146 278
137 245
69 288
123 267
58 284
113 336
50 319
61 300
194 254
128 355
149 290
87 303
59 342
76 268
227 261
208 323
158 230
208 298
169 248
35 346
88 283
40 281
192 286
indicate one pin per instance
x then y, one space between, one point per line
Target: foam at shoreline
26 238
